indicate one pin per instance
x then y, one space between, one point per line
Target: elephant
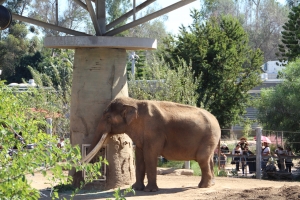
172 130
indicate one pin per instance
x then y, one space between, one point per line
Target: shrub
46 157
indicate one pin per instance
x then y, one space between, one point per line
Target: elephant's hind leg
212 169
206 165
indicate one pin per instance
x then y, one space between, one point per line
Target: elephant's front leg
140 170
151 164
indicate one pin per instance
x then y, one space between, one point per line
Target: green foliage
56 71
54 78
121 196
46 158
247 127
223 62
12 48
278 107
222 173
196 168
172 164
262 29
289 49
163 83
115 9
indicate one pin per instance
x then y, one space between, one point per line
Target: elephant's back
180 112
182 119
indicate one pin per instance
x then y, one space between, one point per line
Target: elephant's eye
108 118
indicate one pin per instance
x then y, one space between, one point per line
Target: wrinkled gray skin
175 131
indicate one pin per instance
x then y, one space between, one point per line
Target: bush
46 157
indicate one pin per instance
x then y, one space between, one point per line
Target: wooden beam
101 15
93 17
148 17
46 25
83 5
128 14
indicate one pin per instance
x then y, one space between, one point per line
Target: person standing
265 152
289 160
246 153
237 151
280 161
243 143
251 162
223 158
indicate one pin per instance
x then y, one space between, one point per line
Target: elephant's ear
129 113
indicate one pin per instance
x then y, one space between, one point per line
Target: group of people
244 156
281 161
242 149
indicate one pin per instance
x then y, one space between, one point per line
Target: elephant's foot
151 188
206 184
138 186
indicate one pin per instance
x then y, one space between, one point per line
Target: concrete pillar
99 76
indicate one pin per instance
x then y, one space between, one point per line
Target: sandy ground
174 187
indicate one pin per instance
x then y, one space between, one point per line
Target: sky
180 15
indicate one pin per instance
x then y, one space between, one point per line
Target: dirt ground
174 187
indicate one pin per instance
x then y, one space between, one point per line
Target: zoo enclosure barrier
277 137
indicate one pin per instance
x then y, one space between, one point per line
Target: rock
163 171
187 172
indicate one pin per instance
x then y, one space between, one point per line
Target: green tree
12 48
289 49
54 77
116 8
223 61
278 107
261 19
56 69
16 50
162 83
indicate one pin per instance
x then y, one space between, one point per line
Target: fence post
258 152
187 164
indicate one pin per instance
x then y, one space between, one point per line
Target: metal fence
277 138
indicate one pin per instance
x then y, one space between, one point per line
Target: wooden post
187 165
258 152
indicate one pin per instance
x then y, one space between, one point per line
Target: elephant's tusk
92 154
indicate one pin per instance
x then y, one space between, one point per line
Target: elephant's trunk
95 150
